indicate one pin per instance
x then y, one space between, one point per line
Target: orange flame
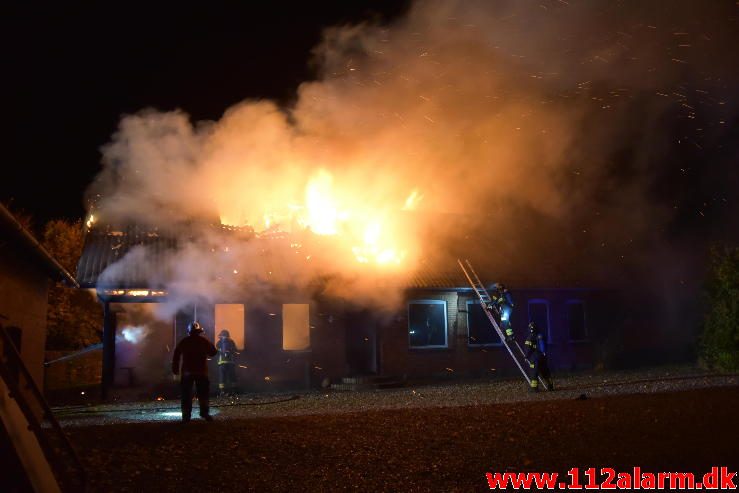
369 231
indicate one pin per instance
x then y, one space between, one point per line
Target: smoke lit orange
369 230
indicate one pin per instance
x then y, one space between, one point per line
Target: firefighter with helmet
226 363
194 351
504 302
536 355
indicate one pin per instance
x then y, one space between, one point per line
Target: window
539 314
427 324
230 317
576 320
295 327
480 331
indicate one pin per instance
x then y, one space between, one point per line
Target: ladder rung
485 298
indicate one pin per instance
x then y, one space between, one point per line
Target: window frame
282 328
217 330
541 301
446 323
478 345
584 321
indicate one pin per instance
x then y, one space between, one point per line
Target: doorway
361 344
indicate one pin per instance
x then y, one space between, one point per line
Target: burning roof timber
107 244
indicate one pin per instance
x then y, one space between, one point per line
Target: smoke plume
530 136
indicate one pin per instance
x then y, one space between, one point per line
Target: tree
720 340
74 316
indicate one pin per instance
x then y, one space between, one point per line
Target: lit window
295 327
427 324
576 320
539 314
480 332
231 318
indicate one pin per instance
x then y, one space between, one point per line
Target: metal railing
58 450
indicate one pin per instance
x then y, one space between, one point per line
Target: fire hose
76 354
76 410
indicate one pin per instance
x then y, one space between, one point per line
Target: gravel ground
429 396
436 438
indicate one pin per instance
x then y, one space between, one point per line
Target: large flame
369 230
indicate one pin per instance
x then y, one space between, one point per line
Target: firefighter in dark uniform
194 351
536 354
226 363
504 303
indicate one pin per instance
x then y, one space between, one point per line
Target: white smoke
134 335
491 110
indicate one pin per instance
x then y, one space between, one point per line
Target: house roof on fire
105 245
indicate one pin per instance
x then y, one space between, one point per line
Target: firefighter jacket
194 351
505 299
535 345
226 351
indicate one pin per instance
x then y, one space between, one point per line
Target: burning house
304 332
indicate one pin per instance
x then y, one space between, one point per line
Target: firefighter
504 302
226 363
194 351
536 355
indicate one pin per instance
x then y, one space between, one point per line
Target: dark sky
71 72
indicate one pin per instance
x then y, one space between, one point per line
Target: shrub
720 339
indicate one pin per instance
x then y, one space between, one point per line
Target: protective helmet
194 328
224 333
532 326
499 286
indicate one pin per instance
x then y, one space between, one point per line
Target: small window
480 332
230 317
539 314
576 320
427 327
295 327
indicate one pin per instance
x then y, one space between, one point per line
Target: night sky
71 72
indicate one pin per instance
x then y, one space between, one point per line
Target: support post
109 323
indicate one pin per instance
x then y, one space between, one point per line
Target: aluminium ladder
487 303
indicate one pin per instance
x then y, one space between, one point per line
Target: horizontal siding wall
459 358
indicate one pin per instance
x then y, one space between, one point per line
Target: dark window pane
426 324
539 314
480 330
576 321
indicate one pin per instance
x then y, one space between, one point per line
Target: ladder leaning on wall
486 302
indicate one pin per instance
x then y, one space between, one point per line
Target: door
361 343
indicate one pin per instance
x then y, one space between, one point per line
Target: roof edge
51 263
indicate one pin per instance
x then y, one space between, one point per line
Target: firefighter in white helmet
194 351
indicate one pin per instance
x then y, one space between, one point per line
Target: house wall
263 364
24 287
463 359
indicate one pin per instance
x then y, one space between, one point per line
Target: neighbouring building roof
18 233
